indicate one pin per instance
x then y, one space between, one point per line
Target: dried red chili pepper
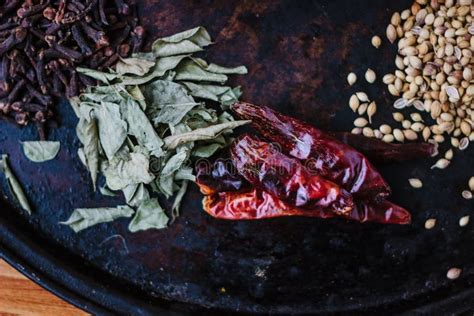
382 152
229 196
268 169
333 159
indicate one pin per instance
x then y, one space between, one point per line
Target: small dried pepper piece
382 152
333 159
268 169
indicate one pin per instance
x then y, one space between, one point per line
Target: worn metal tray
298 54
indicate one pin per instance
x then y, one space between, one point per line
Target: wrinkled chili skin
266 168
333 159
241 202
381 152
218 176
254 204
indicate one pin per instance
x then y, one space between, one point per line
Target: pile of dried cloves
42 43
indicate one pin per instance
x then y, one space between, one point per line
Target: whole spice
268 169
430 223
351 78
43 41
370 76
453 273
333 159
376 41
415 183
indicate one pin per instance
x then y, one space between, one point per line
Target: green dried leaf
14 184
105 77
135 194
83 218
88 135
239 70
223 94
134 66
206 133
124 170
185 173
149 215
159 70
140 127
41 151
169 102
186 42
206 151
112 128
188 70
174 163
178 199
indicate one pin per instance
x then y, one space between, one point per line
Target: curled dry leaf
41 151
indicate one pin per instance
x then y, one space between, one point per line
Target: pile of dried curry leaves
146 122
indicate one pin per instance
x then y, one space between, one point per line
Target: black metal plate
298 53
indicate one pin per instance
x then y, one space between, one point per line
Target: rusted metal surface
298 54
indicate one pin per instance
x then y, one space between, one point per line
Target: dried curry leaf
14 184
206 133
105 77
188 70
121 172
112 128
178 199
149 215
135 194
134 66
239 70
187 42
169 102
41 151
83 218
89 137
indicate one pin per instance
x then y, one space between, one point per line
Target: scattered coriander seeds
360 122
354 103
388 138
398 117
391 33
376 41
385 129
430 223
415 183
362 96
463 221
362 108
466 194
453 273
449 154
471 184
441 164
371 110
398 134
370 76
351 78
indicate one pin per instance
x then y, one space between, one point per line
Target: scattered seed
400 104
415 183
426 133
371 110
356 131
466 194
385 129
368 132
463 221
391 33
463 143
430 223
410 135
453 273
388 138
398 117
362 96
398 134
416 117
362 108
351 78
370 76
441 164
360 122
471 184
376 41
449 154
354 103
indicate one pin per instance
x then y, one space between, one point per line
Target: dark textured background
298 54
